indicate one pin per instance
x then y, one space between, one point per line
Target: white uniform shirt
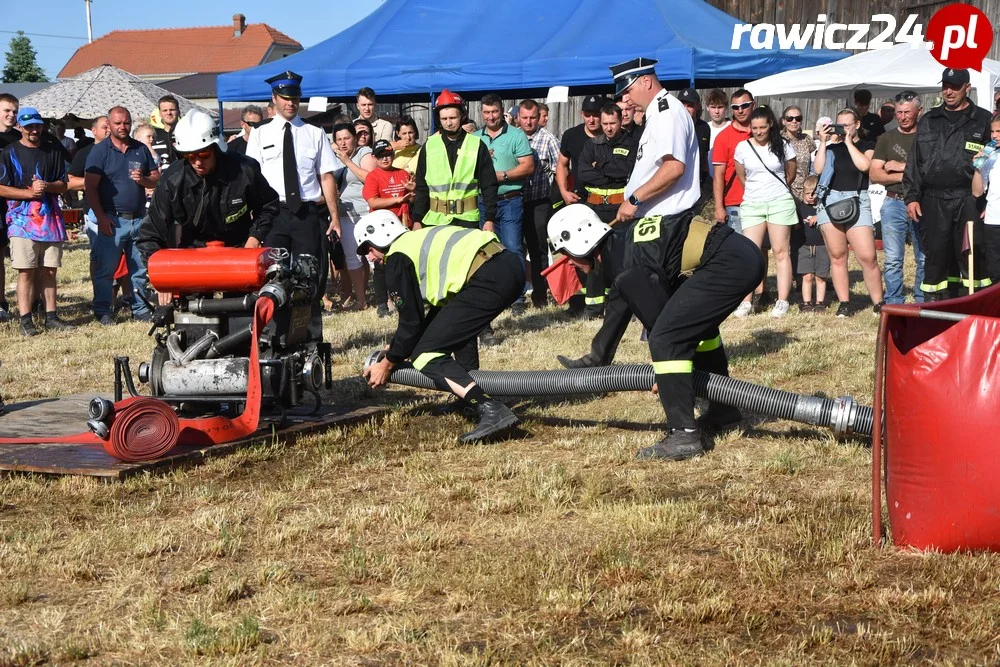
313 155
667 132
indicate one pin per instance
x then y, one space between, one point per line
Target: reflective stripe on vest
442 256
445 185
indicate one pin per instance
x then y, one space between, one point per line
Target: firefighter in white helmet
447 283
210 194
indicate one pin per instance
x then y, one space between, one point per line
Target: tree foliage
22 64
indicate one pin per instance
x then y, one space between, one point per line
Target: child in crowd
985 173
813 260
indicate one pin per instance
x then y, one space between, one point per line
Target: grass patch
391 543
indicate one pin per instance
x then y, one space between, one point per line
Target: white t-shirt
668 131
715 132
762 186
993 196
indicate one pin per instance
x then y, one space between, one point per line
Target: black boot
677 446
586 361
494 418
719 417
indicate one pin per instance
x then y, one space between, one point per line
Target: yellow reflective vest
442 256
453 195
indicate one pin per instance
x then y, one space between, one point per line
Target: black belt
894 195
128 216
510 195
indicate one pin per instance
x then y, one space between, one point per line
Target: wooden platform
68 415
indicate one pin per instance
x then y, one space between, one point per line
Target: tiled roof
179 51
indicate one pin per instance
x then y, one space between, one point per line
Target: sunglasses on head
741 106
906 96
29 116
203 154
365 132
793 119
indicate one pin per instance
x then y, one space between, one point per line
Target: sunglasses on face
252 123
741 106
793 119
200 155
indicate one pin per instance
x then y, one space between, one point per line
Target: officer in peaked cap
298 162
286 84
680 275
625 74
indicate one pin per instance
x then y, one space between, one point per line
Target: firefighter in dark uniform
447 283
605 164
937 186
568 190
211 195
681 276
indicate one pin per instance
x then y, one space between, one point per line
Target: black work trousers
303 232
455 327
942 233
534 227
687 320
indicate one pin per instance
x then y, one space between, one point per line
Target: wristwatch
634 200
505 176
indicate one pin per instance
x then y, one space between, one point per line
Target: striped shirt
546 149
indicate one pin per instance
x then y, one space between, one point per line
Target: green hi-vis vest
450 189
442 256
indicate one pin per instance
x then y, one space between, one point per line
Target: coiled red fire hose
143 428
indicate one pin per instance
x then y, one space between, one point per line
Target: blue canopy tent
410 47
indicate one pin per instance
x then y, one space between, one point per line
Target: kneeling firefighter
681 276
448 283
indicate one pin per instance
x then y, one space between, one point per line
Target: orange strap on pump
145 428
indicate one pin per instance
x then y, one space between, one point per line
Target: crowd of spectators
763 174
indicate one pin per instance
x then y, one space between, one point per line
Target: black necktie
293 196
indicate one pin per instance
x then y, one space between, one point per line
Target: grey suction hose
843 415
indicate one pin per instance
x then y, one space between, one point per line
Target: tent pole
222 122
432 113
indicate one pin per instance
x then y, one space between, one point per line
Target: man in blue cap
298 162
32 176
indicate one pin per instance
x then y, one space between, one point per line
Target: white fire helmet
196 131
378 228
576 230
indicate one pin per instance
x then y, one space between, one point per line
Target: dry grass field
391 543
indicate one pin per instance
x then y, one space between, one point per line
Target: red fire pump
203 338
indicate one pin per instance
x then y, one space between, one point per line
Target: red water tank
942 448
214 268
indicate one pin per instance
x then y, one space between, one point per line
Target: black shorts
814 259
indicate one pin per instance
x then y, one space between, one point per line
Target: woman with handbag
765 166
845 215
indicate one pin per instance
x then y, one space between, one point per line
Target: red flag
562 278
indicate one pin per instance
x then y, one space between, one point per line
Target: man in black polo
692 102
250 117
163 139
118 172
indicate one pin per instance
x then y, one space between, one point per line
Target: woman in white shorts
852 160
765 165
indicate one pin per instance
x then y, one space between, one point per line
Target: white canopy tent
885 72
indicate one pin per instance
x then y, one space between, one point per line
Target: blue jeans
895 224
106 252
508 226
733 219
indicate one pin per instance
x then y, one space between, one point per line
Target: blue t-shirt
117 191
